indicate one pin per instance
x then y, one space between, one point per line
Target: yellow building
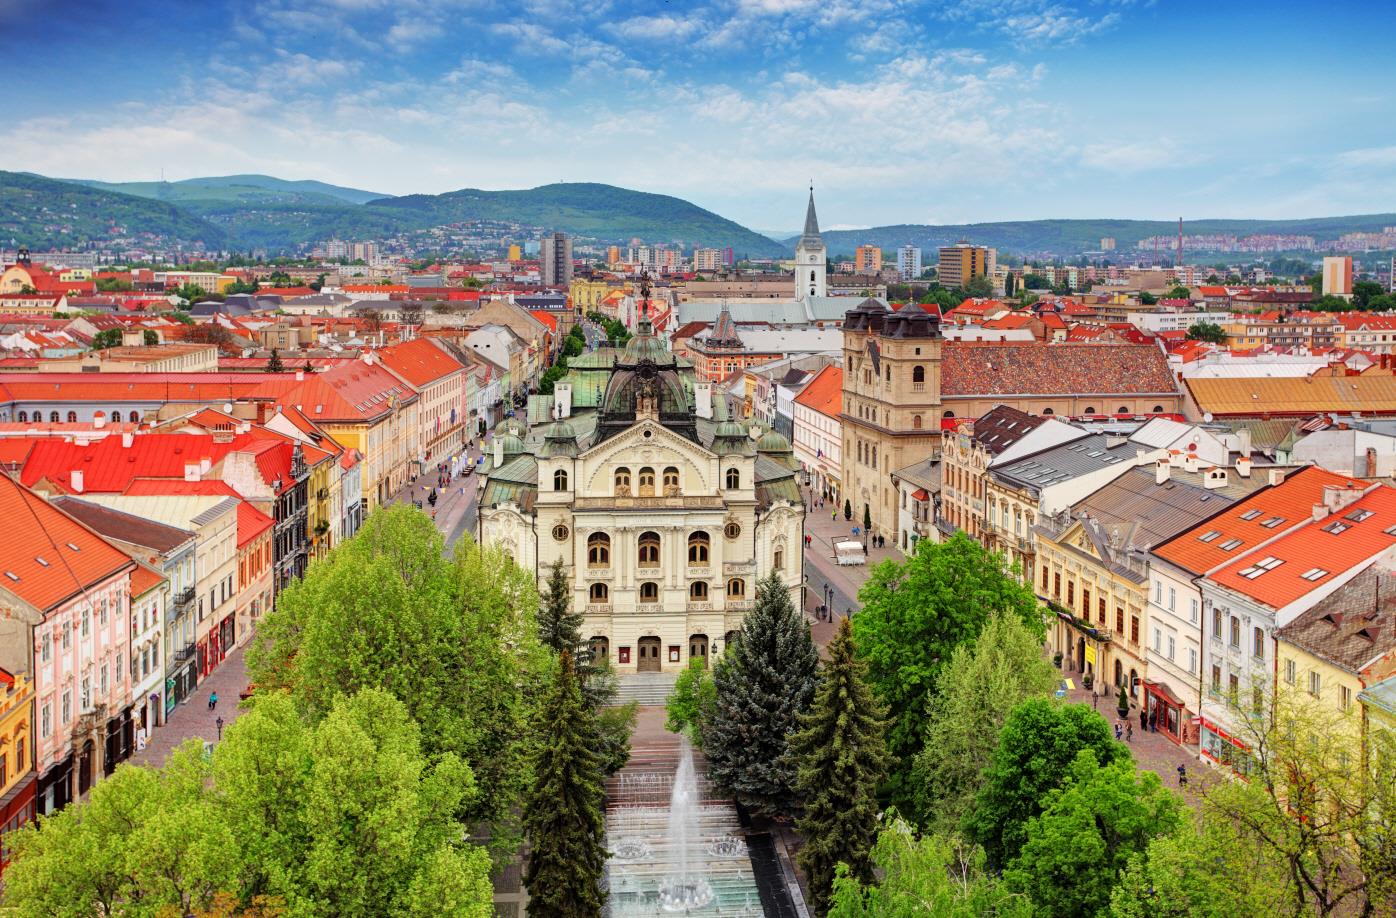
515 253
17 778
587 293
963 262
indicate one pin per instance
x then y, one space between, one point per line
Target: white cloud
1124 158
403 35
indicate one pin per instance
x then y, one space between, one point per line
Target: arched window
72 417
598 550
600 647
698 591
1048 411
1122 410
599 594
698 548
622 482
53 417
918 374
135 418
649 549
734 478
23 416
1090 410
948 415
811 277
646 482
779 559
1158 409
560 480
736 588
649 591
671 482
916 422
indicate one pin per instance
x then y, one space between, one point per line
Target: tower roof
811 236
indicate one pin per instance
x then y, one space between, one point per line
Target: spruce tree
558 626
563 816
764 683
274 365
842 758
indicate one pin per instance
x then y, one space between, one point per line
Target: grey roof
811 236
1077 458
1146 513
775 310
923 474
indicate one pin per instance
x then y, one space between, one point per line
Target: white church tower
811 258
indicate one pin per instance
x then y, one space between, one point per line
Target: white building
811 258
909 262
818 437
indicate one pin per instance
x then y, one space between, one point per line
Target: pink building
64 605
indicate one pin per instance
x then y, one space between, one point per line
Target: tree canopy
1207 331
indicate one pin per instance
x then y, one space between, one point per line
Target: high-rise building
556 259
960 263
909 262
515 252
1337 276
337 248
811 258
1107 243
365 251
867 259
613 255
707 259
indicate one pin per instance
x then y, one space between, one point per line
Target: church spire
811 234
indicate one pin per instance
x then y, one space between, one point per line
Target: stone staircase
646 688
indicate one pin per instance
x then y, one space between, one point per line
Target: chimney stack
77 481
1243 467
703 400
99 420
1215 478
1276 476
1190 463
300 375
1243 444
1320 512
498 451
1162 471
1371 463
126 439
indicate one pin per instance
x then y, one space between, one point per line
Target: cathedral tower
810 257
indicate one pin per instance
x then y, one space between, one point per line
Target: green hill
602 212
1069 237
233 189
45 213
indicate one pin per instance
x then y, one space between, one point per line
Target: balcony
700 607
185 653
598 609
183 600
740 605
322 494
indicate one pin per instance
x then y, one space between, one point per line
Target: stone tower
810 257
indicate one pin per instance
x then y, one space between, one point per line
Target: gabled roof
419 361
122 526
353 393
982 368
1249 521
1352 626
144 579
824 393
47 556
1002 426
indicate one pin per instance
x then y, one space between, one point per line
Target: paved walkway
192 718
455 503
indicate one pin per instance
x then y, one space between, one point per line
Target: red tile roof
978 368
825 392
356 393
547 318
144 578
48 557
251 523
125 387
419 361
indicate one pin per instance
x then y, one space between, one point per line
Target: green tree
571 347
1009 284
1178 292
979 286
973 695
923 876
1147 298
107 337
191 293
690 702
559 628
841 757
562 814
1364 291
453 639
1122 704
274 364
1036 282
867 518
1207 331
1331 303
763 685
112 285
1037 746
237 287
1074 852
915 613
150 338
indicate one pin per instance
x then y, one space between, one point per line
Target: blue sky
899 111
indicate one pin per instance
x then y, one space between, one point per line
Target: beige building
663 512
154 358
962 262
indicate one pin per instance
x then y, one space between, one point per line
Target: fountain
684 889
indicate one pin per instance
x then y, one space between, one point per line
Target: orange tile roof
1292 500
356 393
124 387
547 318
1304 395
419 361
251 523
1321 548
825 392
145 578
74 558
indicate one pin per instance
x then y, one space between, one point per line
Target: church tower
810 257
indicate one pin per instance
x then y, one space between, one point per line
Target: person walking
212 701
1129 731
1183 775
1118 731
1143 721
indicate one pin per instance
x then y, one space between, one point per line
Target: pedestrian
1143 721
219 724
1118 731
212 701
834 514
807 540
1183 775
1129 731
1095 696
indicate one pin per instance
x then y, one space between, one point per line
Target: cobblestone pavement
192 718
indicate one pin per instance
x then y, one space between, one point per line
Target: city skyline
971 111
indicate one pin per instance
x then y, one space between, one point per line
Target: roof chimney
1276 476
498 451
204 465
1215 478
300 375
1190 463
1320 511
191 471
1371 463
77 481
99 420
1337 497
126 439
1162 471
1243 467
1243 442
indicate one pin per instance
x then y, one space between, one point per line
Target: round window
560 532
647 434
732 530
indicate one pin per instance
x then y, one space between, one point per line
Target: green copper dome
730 429
511 444
772 442
647 347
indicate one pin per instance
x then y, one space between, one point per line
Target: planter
1087 681
1057 660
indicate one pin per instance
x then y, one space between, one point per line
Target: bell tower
810 257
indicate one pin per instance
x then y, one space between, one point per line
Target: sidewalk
455 503
192 718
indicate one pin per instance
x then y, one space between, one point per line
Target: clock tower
810 257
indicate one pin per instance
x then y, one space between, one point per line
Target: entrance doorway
649 661
85 768
698 648
601 649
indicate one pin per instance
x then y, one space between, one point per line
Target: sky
898 111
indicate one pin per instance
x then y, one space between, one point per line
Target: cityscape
536 536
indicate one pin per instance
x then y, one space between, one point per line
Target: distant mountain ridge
258 211
1069 237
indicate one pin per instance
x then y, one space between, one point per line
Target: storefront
55 787
120 739
180 684
1221 748
16 812
1171 712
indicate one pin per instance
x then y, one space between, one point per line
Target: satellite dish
227 407
1207 418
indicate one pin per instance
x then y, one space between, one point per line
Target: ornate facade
663 511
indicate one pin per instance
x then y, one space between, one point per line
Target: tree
1178 292
1122 704
1203 870
274 364
1330 303
1207 331
847 510
928 875
1146 298
1036 282
559 628
973 695
107 337
454 639
150 337
762 685
572 347
191 293
867 518
841 757
371 316
211 332
690 702
1364 291
562 814
410 312
1037 745
915 613
979 286
1089 829
1009 283
239 287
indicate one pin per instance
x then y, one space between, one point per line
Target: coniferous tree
842 758
764 683
562 816
274 365
558 626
